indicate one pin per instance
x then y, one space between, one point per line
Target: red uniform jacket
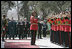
69 21
52 27
62 28
66 28
34 25
69 28
55 27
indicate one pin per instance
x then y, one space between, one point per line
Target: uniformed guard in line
63 28
4 25
52 30
55 29
69 29
67 36
33 27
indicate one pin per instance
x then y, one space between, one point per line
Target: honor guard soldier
33 27
59 23
67 28
63 28
51 33
52 22
57 20
55 29
52 30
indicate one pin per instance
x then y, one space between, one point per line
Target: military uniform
33 28
69 33
52 31
60 40
62 31
55 28
67 36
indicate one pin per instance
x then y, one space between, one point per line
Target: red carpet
19 45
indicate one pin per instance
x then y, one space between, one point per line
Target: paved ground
2 44
42 43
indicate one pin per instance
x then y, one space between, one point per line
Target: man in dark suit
20 29
12 28
39 30
26 26
44 29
